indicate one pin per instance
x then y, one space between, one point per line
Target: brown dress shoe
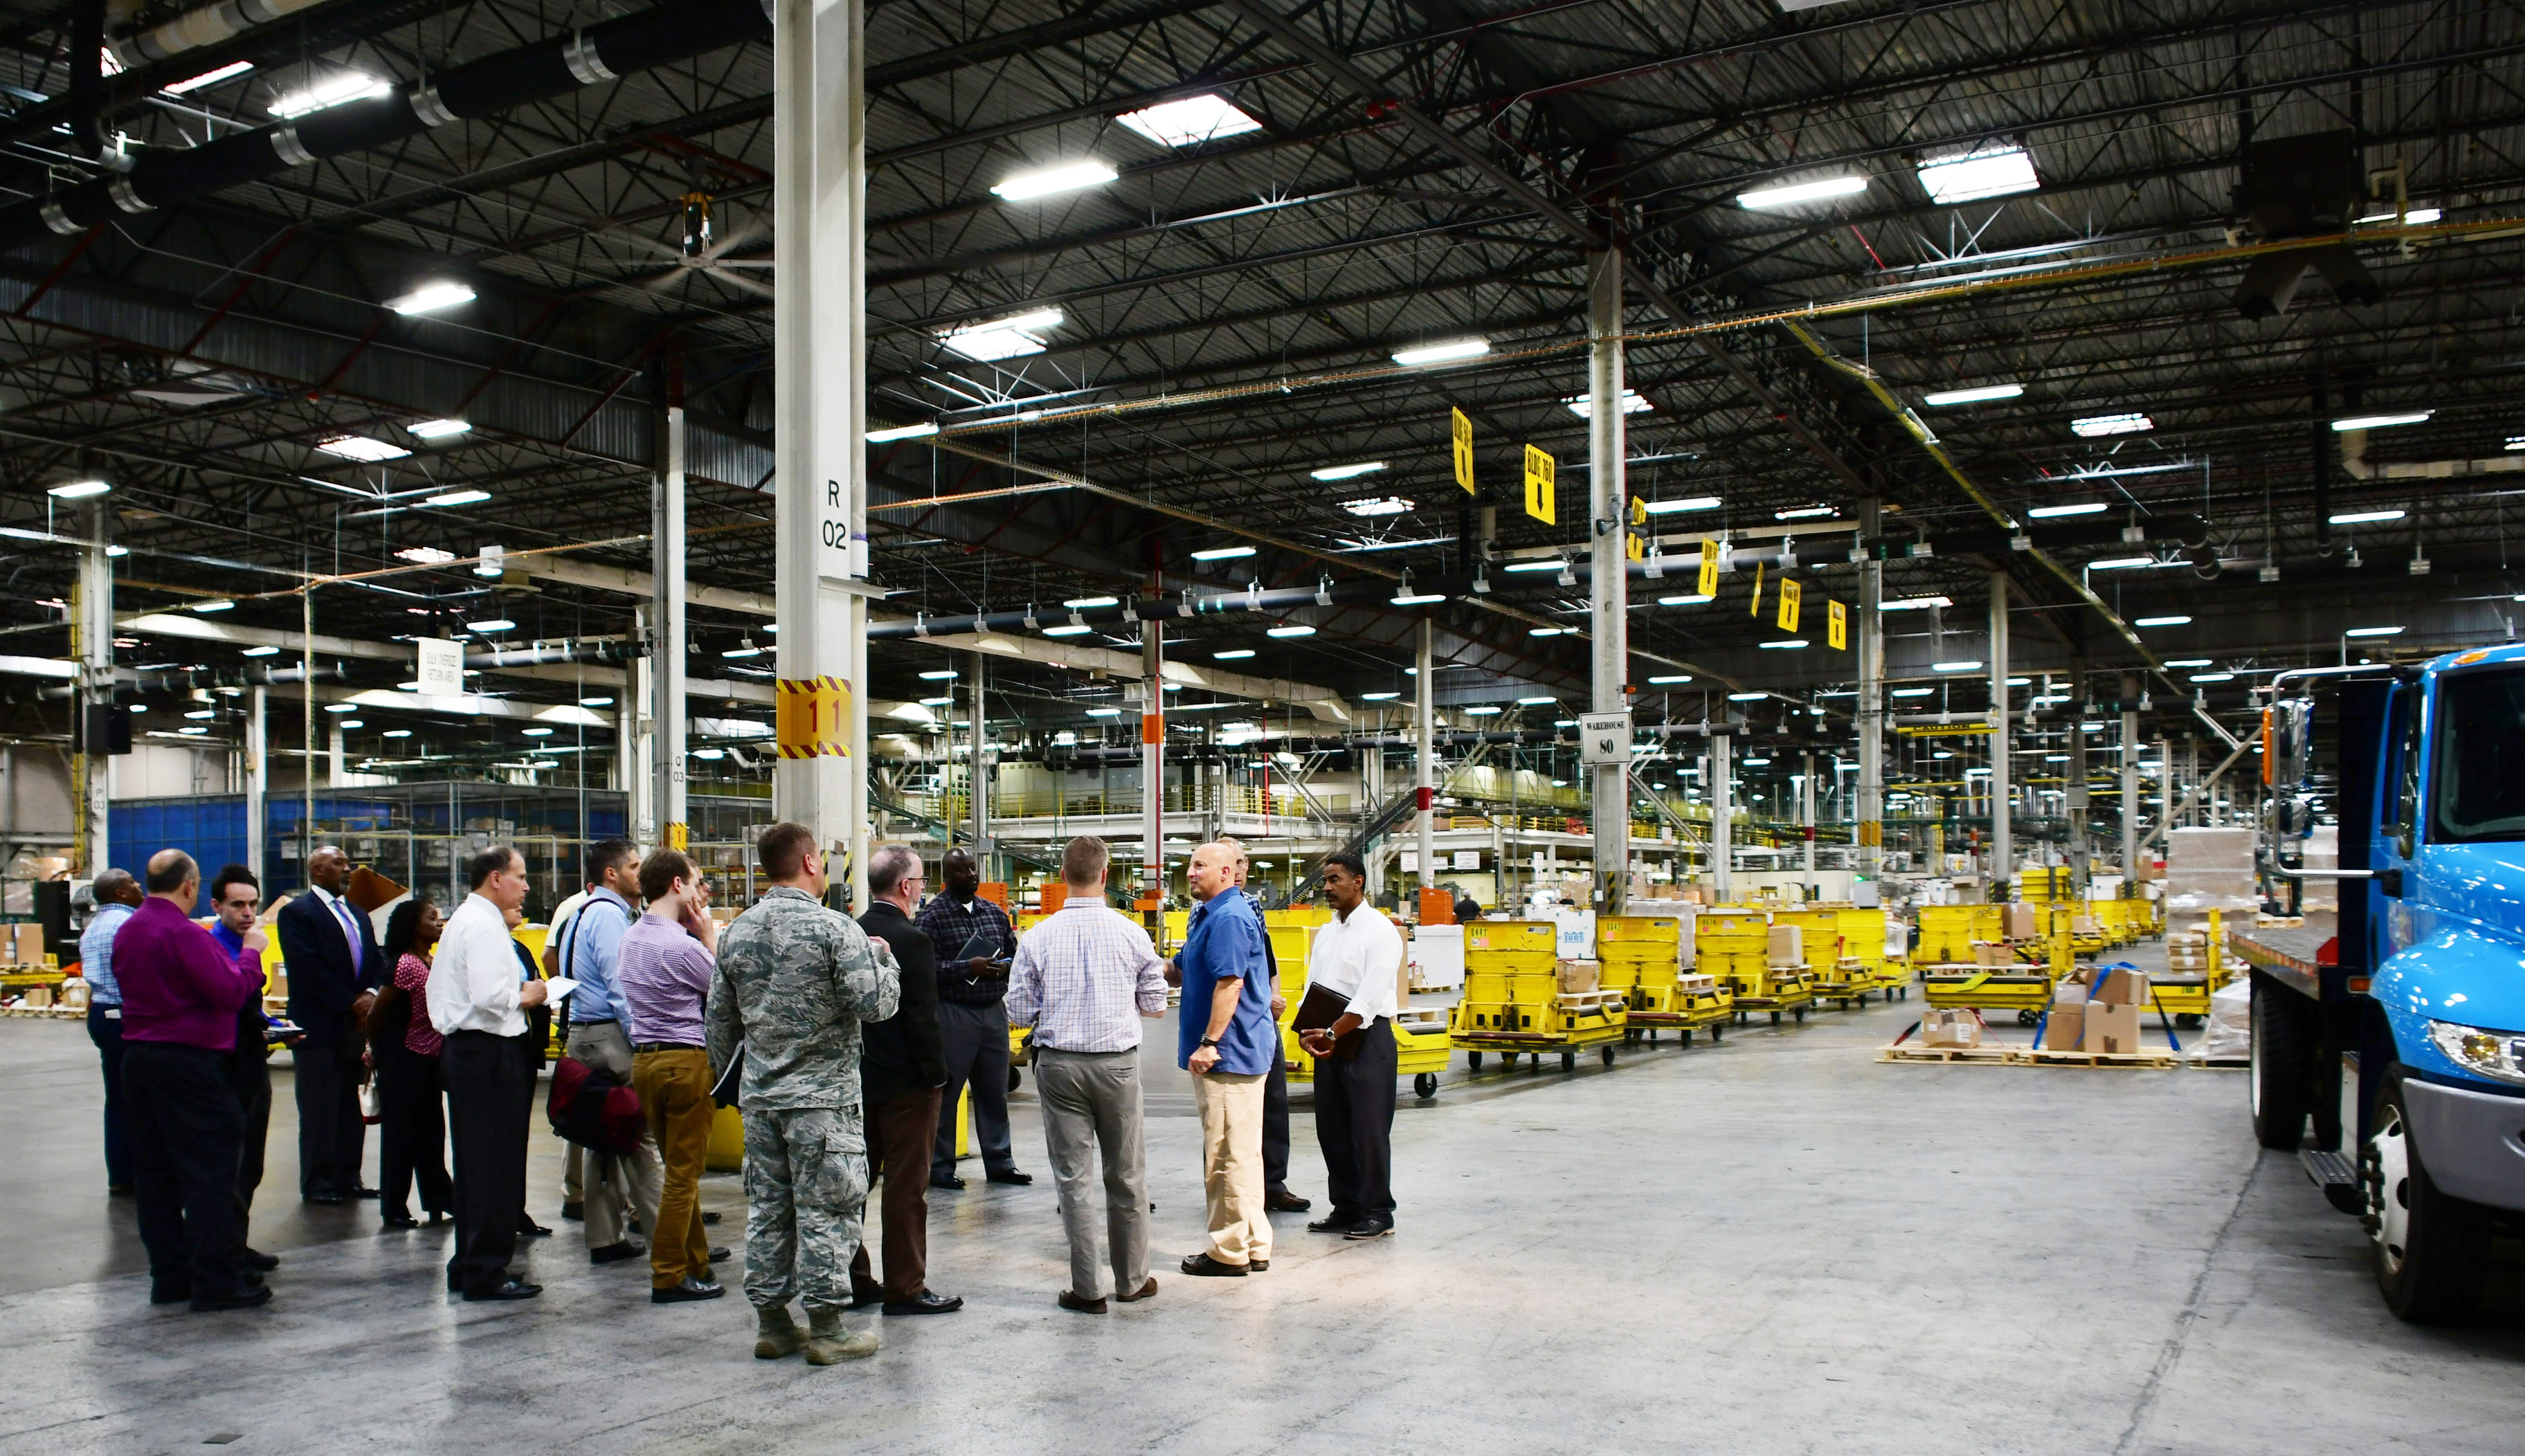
1147 1291
1073 1303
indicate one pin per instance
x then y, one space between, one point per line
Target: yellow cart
1568 1023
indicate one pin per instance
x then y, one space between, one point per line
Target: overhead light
218 604
2186 662
2161 621
192 731
1080 604
2415 217
1002 338
1068 176
1915 604
2213 677
920 431
2121 564
939 675
1688 502
1486 710
1190 122
1429 354
492 624
1103 712
1670 680
210 78
1584 405
1068 629
2364 518
78 490
1377 506
457 498
746 648
2095 426
438 429
707 755
360 448
1348 473
1798 192
1913 692
1995 170
1232 654
1223 554
1377 697
2373 632
201 713
2381 422
397 733
1419 598
1960 664
429 297
1549 564
333 90
117 553
936 702
1754 762
596 702
1747 697
1691 598
1803 513
340 707
1785 643
259 652
2086 508
1293 629
425 555
1534 701
1979 394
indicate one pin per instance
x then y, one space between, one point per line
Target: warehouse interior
1448 432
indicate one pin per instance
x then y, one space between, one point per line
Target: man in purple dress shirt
181 997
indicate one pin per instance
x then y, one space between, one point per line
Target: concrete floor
1775 1244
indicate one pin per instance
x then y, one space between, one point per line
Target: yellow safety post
2061 958
2211 958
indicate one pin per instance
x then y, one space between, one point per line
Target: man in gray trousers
1084 979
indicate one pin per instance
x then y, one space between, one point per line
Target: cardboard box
2109 1027
26 943
2085 924
39 996
2020 921
2066 1024
1577 976
2123 987
1787 946
1950 1028
1992 953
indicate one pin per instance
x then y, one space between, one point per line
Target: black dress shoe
951 1183
1285 1201
710 1218
120 1190
617 1251
368 1193
1370 1229
1203 1266
1335 1222
575 1212
400 1221
688 1291
169 1293
719 1256
238 1299
330 1201
511 1287
527 1228
927 1303
257 1259
1012 1175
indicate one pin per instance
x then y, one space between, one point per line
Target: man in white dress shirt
1356 961
478 1001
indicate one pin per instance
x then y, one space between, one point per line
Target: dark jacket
904 1053
323 983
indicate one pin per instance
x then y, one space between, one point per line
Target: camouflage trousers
806 1182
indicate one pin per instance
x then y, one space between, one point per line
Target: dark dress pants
1355 1125
332 1139
976 1042
104 1029
412 1134
184 1122
490 1095
899 1132
1275 1121
250 1077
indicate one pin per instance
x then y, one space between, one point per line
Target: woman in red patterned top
414 1147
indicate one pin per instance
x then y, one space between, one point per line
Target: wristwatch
1210 1040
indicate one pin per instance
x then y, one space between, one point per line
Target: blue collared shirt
591 952
96 956
1225 941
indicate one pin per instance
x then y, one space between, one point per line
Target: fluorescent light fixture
200 713
707 755
1348 473
78 490
491 624
1670 680
362 448
1232 654
1797 192
1103 712
921 431
2373 632
1080 604
1785 643
1223 554
2121 564
1419 598
1533 701
2364 517
1979 394
596 702
1986 171
532 732
1692 599
219 604
1486 710
1293 629
260 652
1915 604
2213 677
340 707
1455 349
936 702
439 429
192 731
1584 405
425 555
2381 422
1377 506
749 650
1552 563
1068 629
333 90
2415 217
2094 426
1754 762
1545 631
1068 176
2517 442
1687 502
397 733
2186 662
2084 507
1913 692
1190 122
941 675
1804 512
1747 697
212 77
117 551
1378 696
2161 621
1960 664
457 498
429 297
1002 338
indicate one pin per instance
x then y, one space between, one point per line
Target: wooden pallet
2023 1056
1985 1056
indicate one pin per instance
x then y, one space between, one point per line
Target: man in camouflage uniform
795 981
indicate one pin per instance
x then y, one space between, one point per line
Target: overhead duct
2301 186
549 68
195 28
2353 460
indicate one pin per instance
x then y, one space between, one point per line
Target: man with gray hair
903 1065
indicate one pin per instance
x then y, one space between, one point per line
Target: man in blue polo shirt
1226 1040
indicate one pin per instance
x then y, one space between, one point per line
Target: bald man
117 895
334 970
1226 1039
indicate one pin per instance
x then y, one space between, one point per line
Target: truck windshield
2478 792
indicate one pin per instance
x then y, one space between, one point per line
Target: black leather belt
664 1046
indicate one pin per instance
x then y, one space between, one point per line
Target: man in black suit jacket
903 1064
334 970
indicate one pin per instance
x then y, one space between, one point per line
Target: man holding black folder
1346 1024
974 944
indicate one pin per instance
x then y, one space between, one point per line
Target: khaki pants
620 1186
1231 1160
674 1092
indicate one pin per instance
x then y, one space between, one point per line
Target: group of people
847 1044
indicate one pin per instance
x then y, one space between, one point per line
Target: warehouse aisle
1775 1244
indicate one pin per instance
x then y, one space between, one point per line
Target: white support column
1722 831
2130 784
1153 774
1806 783
820 352
1607 497
258 776
1425 762
2003 846
2077 799
336 754
1870 829
96 683
1371 794
636 742
977 766
667 557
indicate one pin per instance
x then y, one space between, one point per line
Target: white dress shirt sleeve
473 980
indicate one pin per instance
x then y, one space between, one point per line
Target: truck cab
2399 1029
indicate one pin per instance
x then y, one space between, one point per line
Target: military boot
828 1344
775 1333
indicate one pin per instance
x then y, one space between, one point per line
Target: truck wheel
2283 1064
2429 1248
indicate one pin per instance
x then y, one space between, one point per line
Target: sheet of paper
556 987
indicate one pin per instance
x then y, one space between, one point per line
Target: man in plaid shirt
974 942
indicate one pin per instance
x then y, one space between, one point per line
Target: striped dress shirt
1084 978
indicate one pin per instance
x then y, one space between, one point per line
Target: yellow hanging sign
1541 499
1464 434
1837 626
1755 610
1790 594
1635 546
1709 568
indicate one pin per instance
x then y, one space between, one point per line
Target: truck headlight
2499 1055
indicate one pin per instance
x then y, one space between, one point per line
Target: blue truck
2399 1029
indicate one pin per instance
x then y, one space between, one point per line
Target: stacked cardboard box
1787 946
2020 921
1579 975
2091 1014
1953 1028
26 943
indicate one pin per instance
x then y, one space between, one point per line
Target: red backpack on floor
592 1109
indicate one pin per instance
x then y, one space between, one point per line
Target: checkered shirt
1084 978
